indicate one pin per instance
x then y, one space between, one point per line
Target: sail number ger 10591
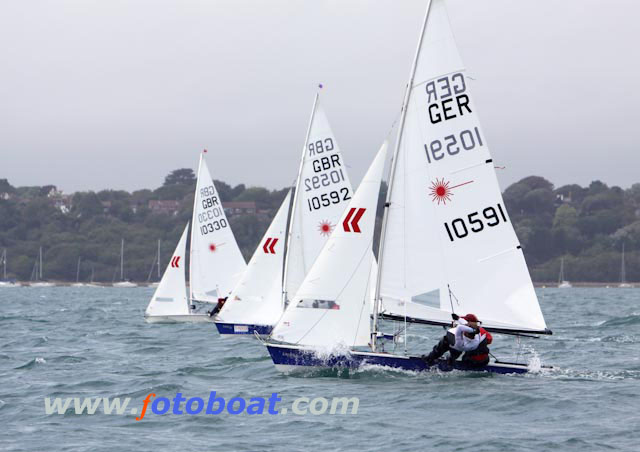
475 222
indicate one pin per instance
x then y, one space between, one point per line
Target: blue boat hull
289 358
240 328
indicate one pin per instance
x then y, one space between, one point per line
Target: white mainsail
170 298
257 298
447 226
216 263
322 192
331 308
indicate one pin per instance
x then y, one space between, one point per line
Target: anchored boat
446 235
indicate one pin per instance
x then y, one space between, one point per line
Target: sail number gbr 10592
326 199
475 222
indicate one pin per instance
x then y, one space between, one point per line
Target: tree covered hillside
585 225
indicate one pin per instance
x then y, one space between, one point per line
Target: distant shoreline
539 285
552 285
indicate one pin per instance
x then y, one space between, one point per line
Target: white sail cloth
170 297
257 298
216 263
332 308
323 190
447 224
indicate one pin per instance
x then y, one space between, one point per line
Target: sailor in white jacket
464 336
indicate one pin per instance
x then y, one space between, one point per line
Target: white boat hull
188 318
125 284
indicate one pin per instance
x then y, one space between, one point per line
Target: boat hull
226 329
125 284
188 318
288 358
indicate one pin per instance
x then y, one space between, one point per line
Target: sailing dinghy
445 233
215 261
170 302
255 304
322 191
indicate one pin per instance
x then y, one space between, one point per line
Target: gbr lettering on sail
210 213
326 183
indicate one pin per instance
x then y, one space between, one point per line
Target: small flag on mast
320 85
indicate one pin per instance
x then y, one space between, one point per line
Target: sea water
93 342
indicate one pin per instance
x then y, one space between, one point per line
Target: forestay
216 263
170 298
257 298
447 224
322 192
332 307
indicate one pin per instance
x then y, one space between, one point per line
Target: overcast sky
115 94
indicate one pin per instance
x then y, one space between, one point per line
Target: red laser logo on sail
175 262
440 190
325 227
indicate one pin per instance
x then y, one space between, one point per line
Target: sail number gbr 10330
475 222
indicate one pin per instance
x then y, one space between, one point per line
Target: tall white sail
322 192
447 226
332 307
170 298
257 298
216 263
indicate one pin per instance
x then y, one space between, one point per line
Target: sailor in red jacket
464 337
480 356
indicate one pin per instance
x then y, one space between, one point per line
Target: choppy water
87 342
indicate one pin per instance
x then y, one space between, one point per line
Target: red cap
470 318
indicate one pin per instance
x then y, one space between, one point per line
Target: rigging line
393 124
366 301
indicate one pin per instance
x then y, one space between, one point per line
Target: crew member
480 356
464 336
221 302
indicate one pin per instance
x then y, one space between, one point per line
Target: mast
623 276
122 259
295 201
561 276
4 264
392 171
193 223
78 270
158 263
40 267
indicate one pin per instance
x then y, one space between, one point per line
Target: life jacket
481 353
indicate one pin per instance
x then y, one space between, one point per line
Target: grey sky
115 94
